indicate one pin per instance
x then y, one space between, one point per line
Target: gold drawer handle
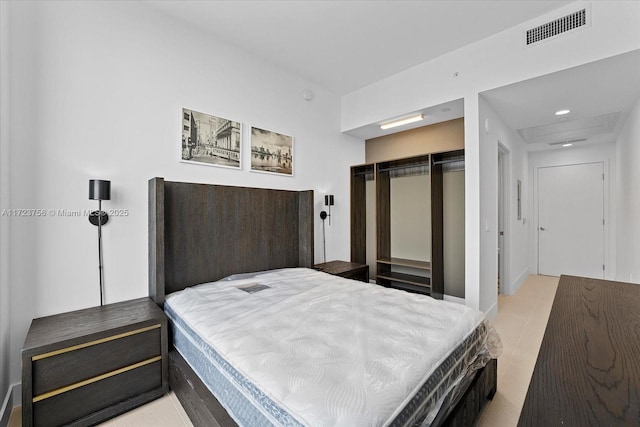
90 343
94 379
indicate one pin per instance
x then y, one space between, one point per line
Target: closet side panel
453 231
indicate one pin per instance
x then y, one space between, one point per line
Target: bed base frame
201 233
200 405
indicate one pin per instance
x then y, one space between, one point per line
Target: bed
251 250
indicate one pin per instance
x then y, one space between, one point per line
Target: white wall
5 289
628 199
605 153
489 63
516 232
96 92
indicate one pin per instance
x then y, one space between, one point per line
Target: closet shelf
411 279
422 265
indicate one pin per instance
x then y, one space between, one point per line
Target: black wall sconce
328 201
99 190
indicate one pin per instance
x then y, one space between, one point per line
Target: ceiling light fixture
401 122
568 141
562 112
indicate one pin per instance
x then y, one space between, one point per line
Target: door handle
542 228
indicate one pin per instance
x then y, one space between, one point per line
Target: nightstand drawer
78 363
75 404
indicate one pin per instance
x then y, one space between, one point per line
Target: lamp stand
323 216
99 189
100 248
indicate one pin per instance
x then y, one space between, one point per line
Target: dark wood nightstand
87 366
349 270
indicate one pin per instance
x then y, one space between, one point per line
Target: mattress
298 347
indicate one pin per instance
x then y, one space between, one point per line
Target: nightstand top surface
65 327
336 267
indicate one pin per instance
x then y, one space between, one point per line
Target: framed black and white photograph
271 152
210 140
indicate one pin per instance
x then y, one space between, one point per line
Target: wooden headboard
200 233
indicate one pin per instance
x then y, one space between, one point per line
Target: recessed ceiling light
401 122
562 112
568 143
445 109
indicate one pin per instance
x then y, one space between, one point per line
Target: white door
571 220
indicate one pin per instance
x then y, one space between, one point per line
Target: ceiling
599 95
346 45
431 115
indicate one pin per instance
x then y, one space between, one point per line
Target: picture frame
210 140
271 152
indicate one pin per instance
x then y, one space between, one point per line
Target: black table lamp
99 190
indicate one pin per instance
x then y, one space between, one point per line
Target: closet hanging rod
395 168
442 162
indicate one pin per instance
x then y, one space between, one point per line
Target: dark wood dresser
349 270
87 366
588 368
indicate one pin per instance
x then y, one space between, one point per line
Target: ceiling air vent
561 25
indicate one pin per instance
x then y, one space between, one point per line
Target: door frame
503 209
609 272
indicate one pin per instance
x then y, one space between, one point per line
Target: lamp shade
99 189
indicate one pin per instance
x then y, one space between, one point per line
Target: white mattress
323 349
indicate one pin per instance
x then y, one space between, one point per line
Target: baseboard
492 312
5 411
453 299
514 286
12 398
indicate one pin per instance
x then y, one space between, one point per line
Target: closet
412 234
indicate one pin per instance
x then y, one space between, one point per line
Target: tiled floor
521 322
163 412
